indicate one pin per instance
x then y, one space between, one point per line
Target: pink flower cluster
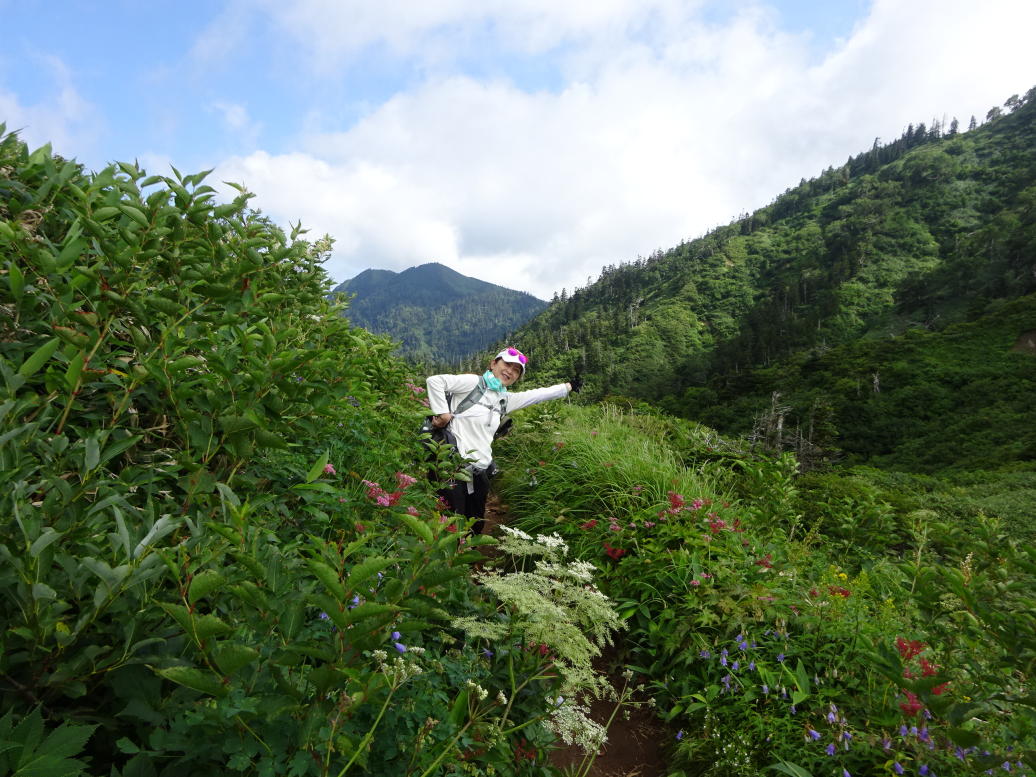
678 504
378 495
717 524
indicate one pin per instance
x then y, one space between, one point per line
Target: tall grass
835 624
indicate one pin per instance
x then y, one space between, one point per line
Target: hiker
481 403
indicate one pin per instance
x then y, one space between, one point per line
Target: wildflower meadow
768 643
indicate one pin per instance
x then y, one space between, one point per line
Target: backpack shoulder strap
472 398
475 395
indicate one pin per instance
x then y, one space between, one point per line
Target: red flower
676 501
765 562
908 650
524 751
837 590
912 705
588 524
938 690
614 553
927 668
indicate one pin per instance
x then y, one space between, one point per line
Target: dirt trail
635 745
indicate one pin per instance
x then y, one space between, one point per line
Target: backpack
444 436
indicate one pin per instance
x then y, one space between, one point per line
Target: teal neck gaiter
493 382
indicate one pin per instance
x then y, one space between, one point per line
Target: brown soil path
635 744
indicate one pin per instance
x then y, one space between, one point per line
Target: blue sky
526 142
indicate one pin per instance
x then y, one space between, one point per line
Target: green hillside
933 230
435 313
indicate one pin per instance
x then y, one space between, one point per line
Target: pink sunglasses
521 356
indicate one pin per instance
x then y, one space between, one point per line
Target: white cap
514 356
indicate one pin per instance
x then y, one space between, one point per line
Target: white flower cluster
518 543
582 571
571 722
516 533
477 689
399 670
403 670
478 628
553 542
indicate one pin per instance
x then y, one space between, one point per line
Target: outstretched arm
516 400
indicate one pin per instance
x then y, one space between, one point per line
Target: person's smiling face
506 372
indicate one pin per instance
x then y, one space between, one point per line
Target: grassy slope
806 584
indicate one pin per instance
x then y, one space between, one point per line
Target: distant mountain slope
935 228
437 314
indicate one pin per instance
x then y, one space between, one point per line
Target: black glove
576 383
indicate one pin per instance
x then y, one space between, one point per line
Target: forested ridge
929 232
435 313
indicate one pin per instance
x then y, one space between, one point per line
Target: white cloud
664 126
335 31
238 124
61 116
234 116
229 30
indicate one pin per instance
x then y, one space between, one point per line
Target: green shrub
215 545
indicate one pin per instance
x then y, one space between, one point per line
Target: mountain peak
438 313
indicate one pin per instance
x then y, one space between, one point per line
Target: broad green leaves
173 386
27 749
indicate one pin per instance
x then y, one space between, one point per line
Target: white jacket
474 428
